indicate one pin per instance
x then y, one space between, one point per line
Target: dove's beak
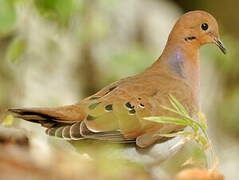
220 45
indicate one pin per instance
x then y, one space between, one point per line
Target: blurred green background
54 52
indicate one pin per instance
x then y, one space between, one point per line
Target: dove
117 112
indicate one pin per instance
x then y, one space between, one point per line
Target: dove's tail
63 122
50 117
66 122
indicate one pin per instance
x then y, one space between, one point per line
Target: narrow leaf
172 110
181 133
203 142
16 49
178 105
170 120
203 120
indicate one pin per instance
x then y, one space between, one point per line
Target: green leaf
181 110
7 16
59 11
170 120
181 133
202 141
16 49
171 110
177 105
201 137
203 120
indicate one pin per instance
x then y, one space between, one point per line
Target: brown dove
116 113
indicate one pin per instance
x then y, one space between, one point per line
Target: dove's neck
181 61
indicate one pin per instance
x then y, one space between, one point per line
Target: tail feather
50 117
61 114
66 132
38 114
59 131
66 122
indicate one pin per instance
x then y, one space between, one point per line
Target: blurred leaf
21 1
203 142
100 27
128 60
58 10
7 16
203 120
16 49
8 121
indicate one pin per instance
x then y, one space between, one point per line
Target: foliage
16 49
7 16
199 128
59 10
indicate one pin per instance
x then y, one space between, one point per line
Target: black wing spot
94 98
90 118
132 111
45 116
129 106
190 38
109 107
110 89
93 106
141 105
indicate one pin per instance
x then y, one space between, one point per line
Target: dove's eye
204 26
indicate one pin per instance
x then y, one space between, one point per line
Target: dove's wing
116 113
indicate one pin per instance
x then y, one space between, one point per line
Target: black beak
220 45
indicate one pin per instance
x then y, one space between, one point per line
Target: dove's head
197 28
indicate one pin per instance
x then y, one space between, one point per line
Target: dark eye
204 26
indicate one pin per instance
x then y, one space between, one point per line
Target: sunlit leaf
195 127
171 120
178 105
171 110
8 120
203 120
181 133
203 141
